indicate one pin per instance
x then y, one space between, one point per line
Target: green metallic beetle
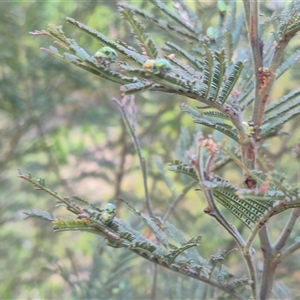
148 65
161 66
211 33
111 208
222 6
108 213
157 67
105 56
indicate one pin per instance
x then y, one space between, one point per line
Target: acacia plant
230 78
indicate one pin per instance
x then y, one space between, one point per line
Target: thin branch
287 252
254 38
154 282
40 186
178 199
266 82
191 273
285 234
144 171
214 212
250 240
143 164
264 237
212 209
251 13
280 48
247 13
257 58
107 232
246 142
250 262
145 133
121 167
249 257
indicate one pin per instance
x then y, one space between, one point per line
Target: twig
191 273
285 234
154 283
97 227
40 186
287 252
120 172
144 171
262 230
247 13
252 12
266 79
143 164
178 199
213 211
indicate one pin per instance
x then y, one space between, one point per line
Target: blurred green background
59 123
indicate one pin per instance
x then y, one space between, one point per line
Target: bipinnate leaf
44 215
146 43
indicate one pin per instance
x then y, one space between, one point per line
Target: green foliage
232 84
145 42
250 207
213 67
120 235
289 22
291 59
